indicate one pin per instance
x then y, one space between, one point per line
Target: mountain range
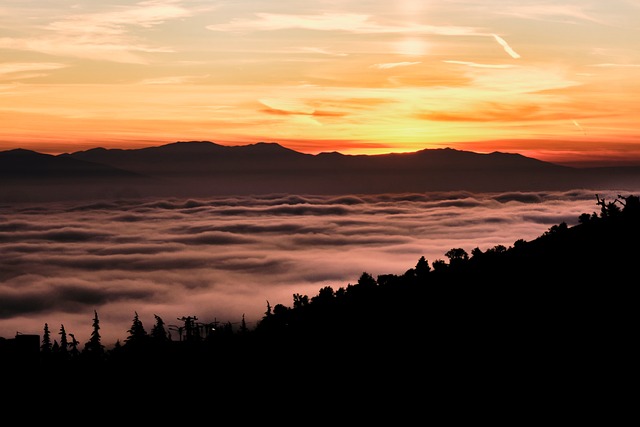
203 168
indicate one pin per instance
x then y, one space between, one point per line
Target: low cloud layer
222 258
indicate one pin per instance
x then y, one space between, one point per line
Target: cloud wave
225 257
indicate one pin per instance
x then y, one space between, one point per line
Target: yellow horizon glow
556 81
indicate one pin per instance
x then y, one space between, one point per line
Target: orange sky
555 80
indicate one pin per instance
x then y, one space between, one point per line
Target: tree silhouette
74 351
45 347
631 205
64 343
158 331
557 229
422 269
268 312
456 256
300 300
137 334
243 326
439 265
93 348
609 209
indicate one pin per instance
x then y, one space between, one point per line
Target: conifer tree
422 269
137 333
64 344
158 332
94 347
45 347
268 313
74 351
243 326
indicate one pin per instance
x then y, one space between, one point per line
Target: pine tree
64 344
158 332
268 313
243 326
137 333
45 347
74 352
94 348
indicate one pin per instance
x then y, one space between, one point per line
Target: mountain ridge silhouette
204 168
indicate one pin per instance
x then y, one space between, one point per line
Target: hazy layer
222 258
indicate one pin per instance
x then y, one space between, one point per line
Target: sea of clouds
223 258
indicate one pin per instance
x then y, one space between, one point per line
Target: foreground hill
202 168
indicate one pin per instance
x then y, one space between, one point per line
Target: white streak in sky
320 51
173 80
506 46
476 65
347 22
579 127
611 65
394 65
19 67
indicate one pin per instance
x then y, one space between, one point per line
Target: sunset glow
554 80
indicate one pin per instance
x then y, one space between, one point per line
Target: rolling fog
222 258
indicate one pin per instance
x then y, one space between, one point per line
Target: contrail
579 127
506 46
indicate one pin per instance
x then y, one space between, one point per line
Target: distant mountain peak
184 143
330 153
189 145
22 151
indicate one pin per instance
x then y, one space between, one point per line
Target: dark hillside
564 301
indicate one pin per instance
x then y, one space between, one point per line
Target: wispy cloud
575 122
144 14
506 46
612 65
17 67
494 112
321 22
347 22
319 51
110 48
387 65
294 108
23 70
105 35
564 13
288 106
173 80
477 65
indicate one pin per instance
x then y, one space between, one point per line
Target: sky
223 258
555 80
